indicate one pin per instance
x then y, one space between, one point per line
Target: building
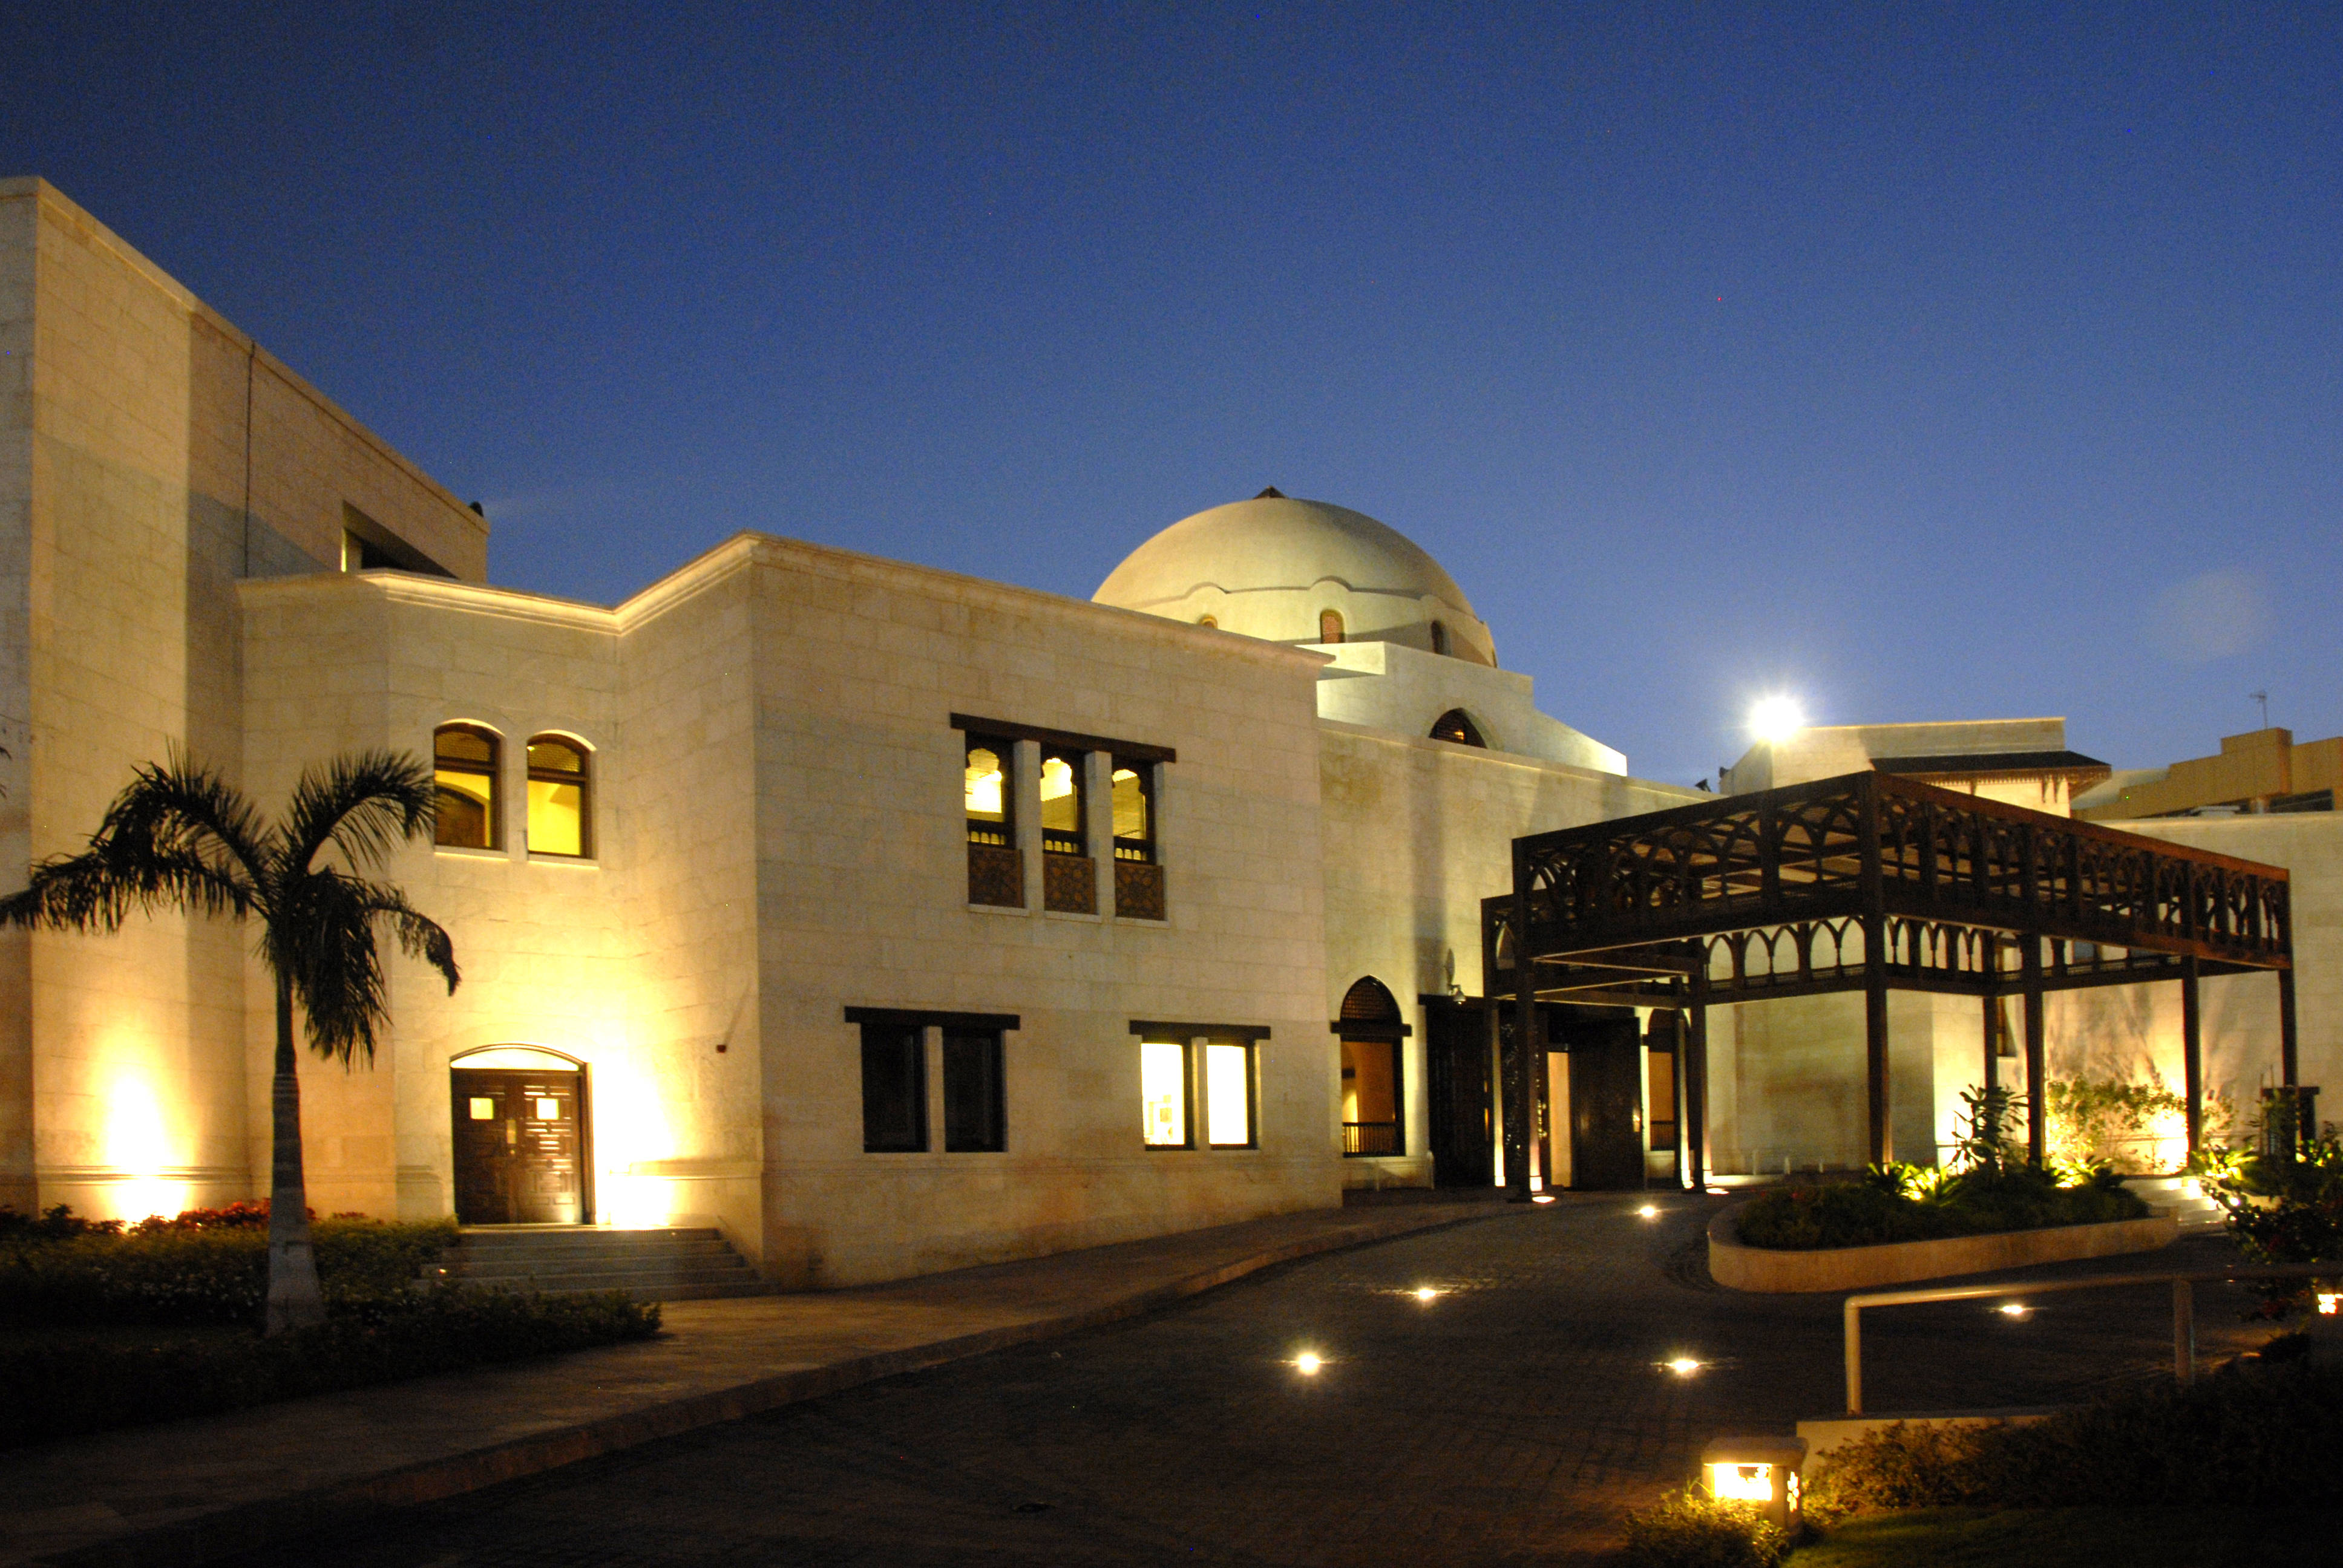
2259 771
892 919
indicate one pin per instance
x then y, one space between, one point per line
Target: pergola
1871 883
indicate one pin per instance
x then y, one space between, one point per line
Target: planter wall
1741 1268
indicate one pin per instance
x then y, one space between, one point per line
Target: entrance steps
670 1263
2179 1194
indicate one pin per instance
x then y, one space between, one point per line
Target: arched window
1457 725
1208 620
560 797
1329 626
464 762
984 788
1064 830
1373 1122
1439 637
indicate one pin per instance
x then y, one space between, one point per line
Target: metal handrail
2184 1308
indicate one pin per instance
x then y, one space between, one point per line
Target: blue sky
1921 361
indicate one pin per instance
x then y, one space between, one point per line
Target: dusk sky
1922 362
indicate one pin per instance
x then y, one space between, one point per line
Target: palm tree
180 837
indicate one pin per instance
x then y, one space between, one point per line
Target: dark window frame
492 770
1056 841
1141 851
583 778
986 1131
894 1050
1252 1049
1004 835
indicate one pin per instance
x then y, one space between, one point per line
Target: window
464 762
1134 810
1661 1079
1439 637
561 818
1329 626
894 1089
1457 725
1228 1095
1061 801
1165 1092
973 1119
1372 1030
992 802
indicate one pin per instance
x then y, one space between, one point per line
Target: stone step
677 1263
500 1256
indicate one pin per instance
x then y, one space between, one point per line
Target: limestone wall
1417 832
863 900
127 460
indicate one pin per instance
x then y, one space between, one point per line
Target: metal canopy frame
1869 882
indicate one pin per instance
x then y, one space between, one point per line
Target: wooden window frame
583 779
992 1138
891 1034
493 771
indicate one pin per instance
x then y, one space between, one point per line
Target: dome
1278 567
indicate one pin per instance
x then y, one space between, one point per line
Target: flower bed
1903 1204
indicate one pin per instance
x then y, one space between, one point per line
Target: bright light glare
2012 1309
1775 718
1683 1366
1741 1483
1649 1211
1542 1198
1307 1363
2330 1304
1425 1293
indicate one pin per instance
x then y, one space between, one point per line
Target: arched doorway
523 1139
1375 1115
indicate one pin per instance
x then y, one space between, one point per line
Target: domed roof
1272 565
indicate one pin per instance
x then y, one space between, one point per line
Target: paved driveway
1507 1419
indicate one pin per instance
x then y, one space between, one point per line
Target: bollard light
1759 1470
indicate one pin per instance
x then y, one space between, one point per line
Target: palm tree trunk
295 1301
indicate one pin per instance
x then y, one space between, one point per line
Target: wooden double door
1604 1122
520 1147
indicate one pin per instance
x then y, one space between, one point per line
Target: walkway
189 1490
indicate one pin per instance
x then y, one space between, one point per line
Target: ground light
1542 1198
2012 1308
1307 1363
1759 1470
1649 1211
1683 1366
1425 1293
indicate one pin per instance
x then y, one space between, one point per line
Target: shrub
1907 1203
1690 1529
2255 1437
207 1266
52 1390
2281 1210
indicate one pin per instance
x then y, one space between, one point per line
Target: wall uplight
1759 1470
1775 718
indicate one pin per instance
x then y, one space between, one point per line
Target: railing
1370 1138
2184 1308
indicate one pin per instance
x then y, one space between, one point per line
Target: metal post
1992 1042
2184 1331
2287 1064
1874 1037
1520 1098
1694 1070
2192 1053
2037 1096
1854 1358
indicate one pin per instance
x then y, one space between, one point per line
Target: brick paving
1509 1419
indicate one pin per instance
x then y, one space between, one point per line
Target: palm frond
176 838
326 947
366 805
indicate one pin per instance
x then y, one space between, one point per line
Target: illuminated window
894 1089
464 762
1164 1093
990 801
1439 637
1134 810
1660 1077
548 1110
483 1108
1062 802
1228 1095
973 1119
1371 1027
560 815
1329 626
1457 725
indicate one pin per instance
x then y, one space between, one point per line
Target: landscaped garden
104 1325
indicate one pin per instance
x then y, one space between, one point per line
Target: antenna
2262 698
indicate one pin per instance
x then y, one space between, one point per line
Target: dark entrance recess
1606 1097
520 1147
1463 1110
1375 1115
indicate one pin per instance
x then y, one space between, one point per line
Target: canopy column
2192 1053
2037 1084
